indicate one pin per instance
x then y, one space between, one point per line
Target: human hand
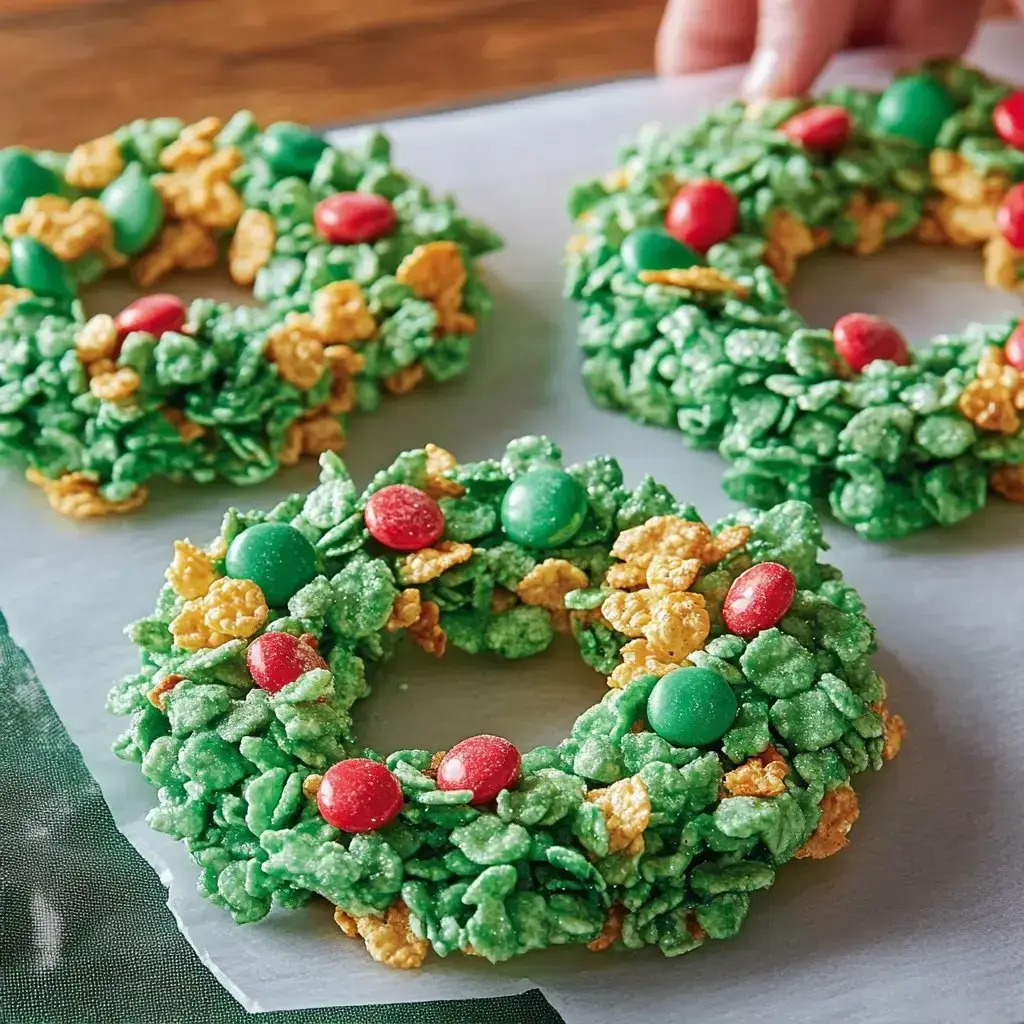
789 42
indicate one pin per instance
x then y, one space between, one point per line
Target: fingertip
700 35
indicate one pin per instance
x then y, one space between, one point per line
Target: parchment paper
919 920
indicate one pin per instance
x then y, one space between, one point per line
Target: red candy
350 217
1014 351
758 598
821 129
359 795
153 314
484 764
403 518
1008 120
861 339
1011 216
277 659
702 214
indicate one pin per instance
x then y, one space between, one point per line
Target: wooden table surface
73 69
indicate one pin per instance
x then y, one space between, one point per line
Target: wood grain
73 69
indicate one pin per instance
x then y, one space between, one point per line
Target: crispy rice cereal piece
697 279
638 659
94 164
391 941
439 462
340 313
405 611
97 339
755 777
191 573
77 496
612 928
1008 480
426 632
252 245
428 563
184 246
116 385
407 379
626 808
157 696
295 347
547 583
839 810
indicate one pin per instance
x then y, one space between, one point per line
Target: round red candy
702 214
821 129
277 659
153 314
1008 120
758 598
484 764
1011 216
862 339
348 218
404 518
1014 350
359 795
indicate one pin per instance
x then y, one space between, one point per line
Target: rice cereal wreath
367 285
740 704
680 265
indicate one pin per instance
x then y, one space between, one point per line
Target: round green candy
135 210
654 249
291 149
36 268
543 508
276 557
914 108
22 178
691 707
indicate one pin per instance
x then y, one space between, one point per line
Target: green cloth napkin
85 933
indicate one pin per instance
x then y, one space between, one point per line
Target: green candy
691 707
276 557
543 508
135 209
915 108
654 249
36 268
291 149
22 178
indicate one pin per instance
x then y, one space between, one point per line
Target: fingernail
764 70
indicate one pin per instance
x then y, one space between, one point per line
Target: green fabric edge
85 933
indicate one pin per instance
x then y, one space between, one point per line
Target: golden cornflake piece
69 230
954 176
201 193
310 788
94 164
668 572
616 180
235 607
1002 262
194 144
435 762
296 348
158 695
407 379
871 219
345 922
191 573
9 295
502 600
894 734
291 451
97 339
5 257
252 245
77 496
547 584
638 660
577 243
679 538
405 611
391 941
428 563
185 246
839 810
187 430
756 778
101 367
115 386
439 462
320 434
788 239
697 279
432 269
629 612
626 808
990 405
217 548
191 631
679 626
450 317
426 632
611 930
929 230
340 313
1008 480
965 225
625 576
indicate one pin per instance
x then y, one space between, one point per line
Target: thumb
795 39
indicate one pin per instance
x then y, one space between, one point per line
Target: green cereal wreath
367 283
741 702
680 266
